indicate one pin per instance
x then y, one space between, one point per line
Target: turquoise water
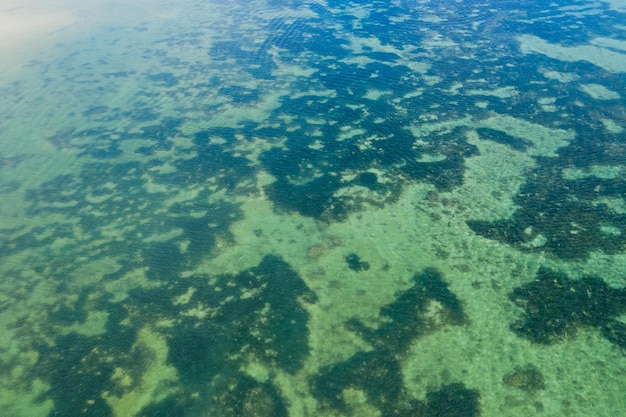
313 209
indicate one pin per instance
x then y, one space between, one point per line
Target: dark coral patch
315 198
163 79
453 400
367 179
356 264
106 194
236 395
79 368
498 136
376 373
163 260
555 305
379 377
448 150
256 313
221 323
241 396
360 134
309 180
527 378
213 165
198 353
615 332
78 375
70 312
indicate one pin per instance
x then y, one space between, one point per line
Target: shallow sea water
299 208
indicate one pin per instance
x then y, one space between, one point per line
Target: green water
313 209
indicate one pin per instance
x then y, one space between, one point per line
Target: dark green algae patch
378 373
232 396
556 305
310 180
566 216
257 315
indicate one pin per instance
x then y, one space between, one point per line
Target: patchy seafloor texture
300 208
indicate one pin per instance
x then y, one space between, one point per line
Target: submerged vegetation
213 325
555 305
229 217
425 307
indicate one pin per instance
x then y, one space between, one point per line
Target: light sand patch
432 19
438 41
546 141
618 206
610 43
376 94
233 116
502 92
599 92
612 126
617 5
605 172
360 45
575 7
495 175
152 385
547 104
563 77
608 59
